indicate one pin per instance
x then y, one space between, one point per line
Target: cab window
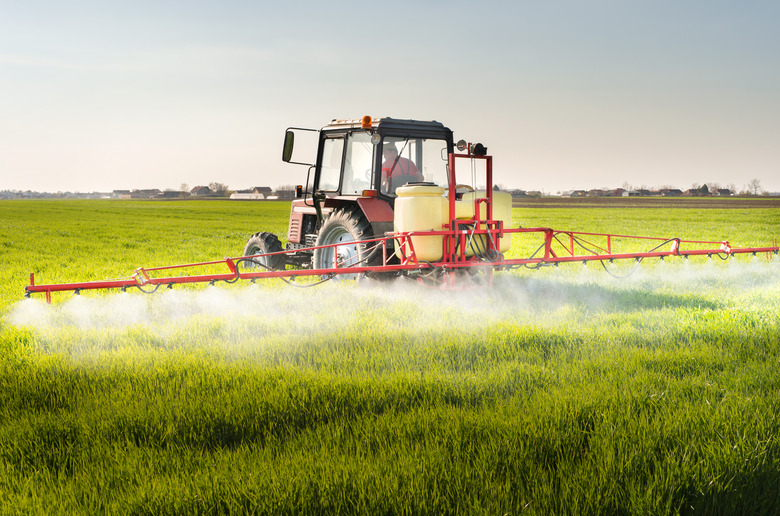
332 156
412 159
357 164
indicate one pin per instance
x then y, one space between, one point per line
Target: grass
556 391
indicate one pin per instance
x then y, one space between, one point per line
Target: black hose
537 266
157 286
294 284
638 260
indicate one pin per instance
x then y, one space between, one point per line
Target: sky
566 94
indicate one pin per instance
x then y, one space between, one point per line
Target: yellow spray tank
421 208
502 210
424 208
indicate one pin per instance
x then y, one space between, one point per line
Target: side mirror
287 150
298 191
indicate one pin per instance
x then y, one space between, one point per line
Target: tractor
350 196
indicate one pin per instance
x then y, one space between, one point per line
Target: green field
560 391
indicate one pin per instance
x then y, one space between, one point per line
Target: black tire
346 226
262 243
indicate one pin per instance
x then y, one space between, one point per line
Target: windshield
411 160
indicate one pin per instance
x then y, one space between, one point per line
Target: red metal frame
558 246
455 238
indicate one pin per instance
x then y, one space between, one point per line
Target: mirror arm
306 189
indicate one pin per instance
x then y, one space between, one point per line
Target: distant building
255 193
200 191
697 192
284 194
247 196
173 194
671 192
145 194
265 191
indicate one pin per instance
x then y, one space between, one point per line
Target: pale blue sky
103 95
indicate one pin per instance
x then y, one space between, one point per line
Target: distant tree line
217 189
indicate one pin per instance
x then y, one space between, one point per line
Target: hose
638 259
578 241
157 286
266 267
483 254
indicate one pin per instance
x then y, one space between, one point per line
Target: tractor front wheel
262 243
342 230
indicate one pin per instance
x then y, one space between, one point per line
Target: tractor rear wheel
262 243
345 227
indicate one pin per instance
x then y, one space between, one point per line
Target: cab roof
388 123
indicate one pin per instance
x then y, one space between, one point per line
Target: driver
397 171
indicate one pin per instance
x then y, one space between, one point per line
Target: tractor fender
379 214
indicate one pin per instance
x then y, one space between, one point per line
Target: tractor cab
359 165
373 157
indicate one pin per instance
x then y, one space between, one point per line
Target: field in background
706 203
557 391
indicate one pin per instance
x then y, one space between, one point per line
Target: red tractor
351 195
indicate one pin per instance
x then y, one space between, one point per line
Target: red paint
376 210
